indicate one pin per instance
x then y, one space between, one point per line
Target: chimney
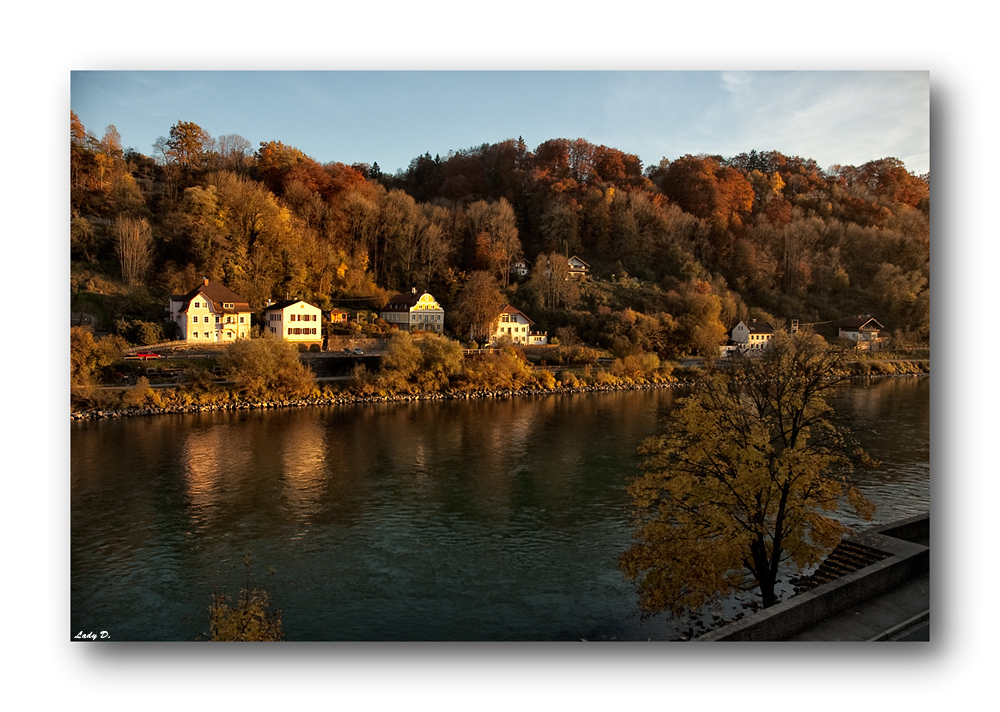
205 281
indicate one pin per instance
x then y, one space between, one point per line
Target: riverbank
349 398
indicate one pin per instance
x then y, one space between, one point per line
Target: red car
145 355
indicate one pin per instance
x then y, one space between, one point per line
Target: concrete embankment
885 600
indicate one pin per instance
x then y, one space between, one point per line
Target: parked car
147 355
359 352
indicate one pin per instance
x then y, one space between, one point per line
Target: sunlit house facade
414 312
296 321
210 314
513 323
752 335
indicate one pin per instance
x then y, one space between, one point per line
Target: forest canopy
683 249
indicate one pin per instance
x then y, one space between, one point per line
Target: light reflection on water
482 520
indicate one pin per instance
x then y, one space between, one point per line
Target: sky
391 117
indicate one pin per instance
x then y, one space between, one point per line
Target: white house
210 314
519 269
578 269
752 335
296 321
862 329
513 323
414 312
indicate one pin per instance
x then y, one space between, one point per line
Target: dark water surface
459 520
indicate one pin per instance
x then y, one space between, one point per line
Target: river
495 519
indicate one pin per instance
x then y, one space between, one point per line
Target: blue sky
390 117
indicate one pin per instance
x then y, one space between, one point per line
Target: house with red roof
516 325
211 313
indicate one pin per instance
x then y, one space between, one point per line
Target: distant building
864 330
414 312
338 316
514 324
296 321
519 269
578 269
210 314
752 335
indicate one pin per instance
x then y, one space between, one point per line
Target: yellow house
210 314
296 321
414 312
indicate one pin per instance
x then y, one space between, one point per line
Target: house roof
284 304
218 294
861 321
515 311
574 257
757 327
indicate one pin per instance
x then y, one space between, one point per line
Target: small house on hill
414 312
515 324
863 330
211 313
578 269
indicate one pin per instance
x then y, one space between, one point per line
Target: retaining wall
907 558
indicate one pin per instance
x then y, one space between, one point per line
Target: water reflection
480 520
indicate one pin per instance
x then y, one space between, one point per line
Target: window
241 319
218 319
194 319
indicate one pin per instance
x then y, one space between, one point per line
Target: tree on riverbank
267 366
743 480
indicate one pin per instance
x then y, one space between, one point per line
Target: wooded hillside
679 251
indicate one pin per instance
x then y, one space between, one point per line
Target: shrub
267 366
545 379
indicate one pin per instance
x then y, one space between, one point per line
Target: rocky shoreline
354 399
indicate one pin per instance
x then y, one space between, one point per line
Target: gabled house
863 330
414 312
519 269
578 269
514 324
752 335
296 321
210 314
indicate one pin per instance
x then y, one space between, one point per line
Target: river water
455 520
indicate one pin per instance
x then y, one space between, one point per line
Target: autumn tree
550 283
188 144
134 248
478 306
493 229
248 619
744 481
266 366
90 358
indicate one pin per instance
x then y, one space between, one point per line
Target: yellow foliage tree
746 478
